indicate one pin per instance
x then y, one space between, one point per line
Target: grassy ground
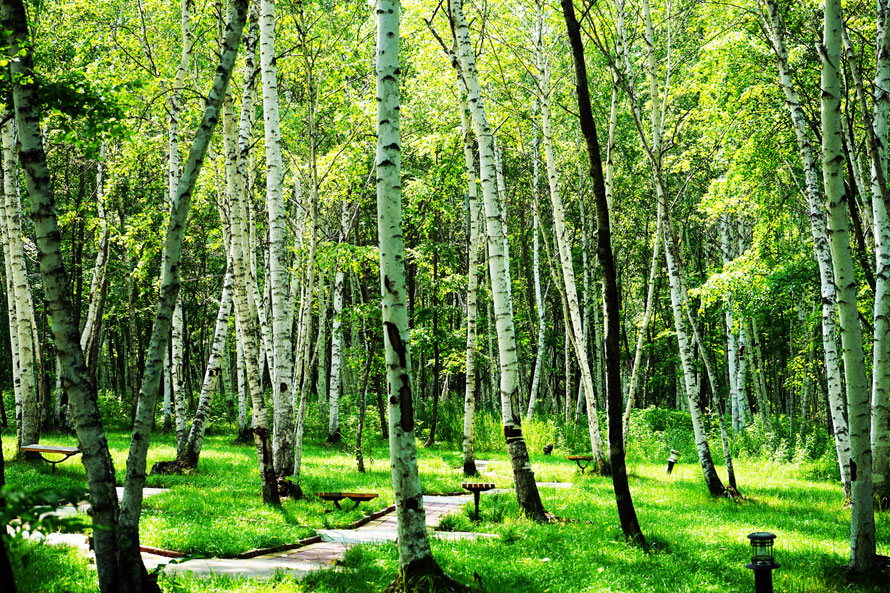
699 543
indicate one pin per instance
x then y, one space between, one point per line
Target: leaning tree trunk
539 299
131 506
189 456
626 512
821 247
89 337
715 486
174 104
282 425
417 567
862 522
523 476
564 247
647 315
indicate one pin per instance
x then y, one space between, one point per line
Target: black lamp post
762 562
672 460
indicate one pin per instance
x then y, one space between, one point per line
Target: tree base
470 468
177 466
287 488
878 574
425 576
334 438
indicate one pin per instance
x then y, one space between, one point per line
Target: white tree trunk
474 247
641 336
195 440
28 422
282 445
324 303
567 267
337 338
11 311
880 437
539 300
821 248
862 523
526 489
414 548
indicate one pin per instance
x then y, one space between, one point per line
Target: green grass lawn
699 543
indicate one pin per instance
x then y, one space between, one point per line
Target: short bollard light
762 562
672 460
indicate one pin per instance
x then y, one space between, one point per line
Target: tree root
177 466
427 577
288 488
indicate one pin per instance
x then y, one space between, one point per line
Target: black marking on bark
852 471
412 504
512 433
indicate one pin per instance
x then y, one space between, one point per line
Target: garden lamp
672 460
762 562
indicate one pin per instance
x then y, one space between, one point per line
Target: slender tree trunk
623 500
474 247
195 441
174 101
416 562
27 418
647 315
821 247
282 426
880 437
337 339
526 489
862 523
876 140
574 321
536 270
89 338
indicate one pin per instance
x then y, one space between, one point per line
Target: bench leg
337 504
476 494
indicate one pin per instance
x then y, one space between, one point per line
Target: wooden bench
581 459
356 497
53 450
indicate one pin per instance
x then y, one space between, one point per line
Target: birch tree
575 323
282 425
822 251
27 418
473 257
862 522
417 567
523 476
118 560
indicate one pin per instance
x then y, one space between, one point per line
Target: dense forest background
706 113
